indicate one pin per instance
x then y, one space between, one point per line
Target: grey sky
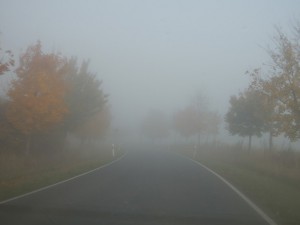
153 54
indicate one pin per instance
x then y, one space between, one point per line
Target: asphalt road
156 187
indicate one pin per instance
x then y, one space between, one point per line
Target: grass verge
270 183
23 174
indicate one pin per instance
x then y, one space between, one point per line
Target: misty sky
153 54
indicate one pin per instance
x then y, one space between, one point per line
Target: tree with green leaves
245 116
85 97
6 60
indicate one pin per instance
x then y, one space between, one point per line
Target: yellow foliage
37 95
95 126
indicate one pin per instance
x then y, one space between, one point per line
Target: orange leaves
281 85
52 92
95 126
191 121
37 96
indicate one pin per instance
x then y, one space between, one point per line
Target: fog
153 54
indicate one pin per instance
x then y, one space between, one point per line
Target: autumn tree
281 82
271 108
285 81
94 127
37 96
245 115
196 120
184 122
155 125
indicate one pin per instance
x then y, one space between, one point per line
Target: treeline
192 122
49 97
271 103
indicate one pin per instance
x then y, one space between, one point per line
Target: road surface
144 187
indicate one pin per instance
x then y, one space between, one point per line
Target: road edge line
237 191
63 181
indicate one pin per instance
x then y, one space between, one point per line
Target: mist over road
144 187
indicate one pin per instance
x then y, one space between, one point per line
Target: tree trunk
199 136
270 141
28 144
249 144
82 143
64 140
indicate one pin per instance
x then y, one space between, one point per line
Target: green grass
267 180
22 174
